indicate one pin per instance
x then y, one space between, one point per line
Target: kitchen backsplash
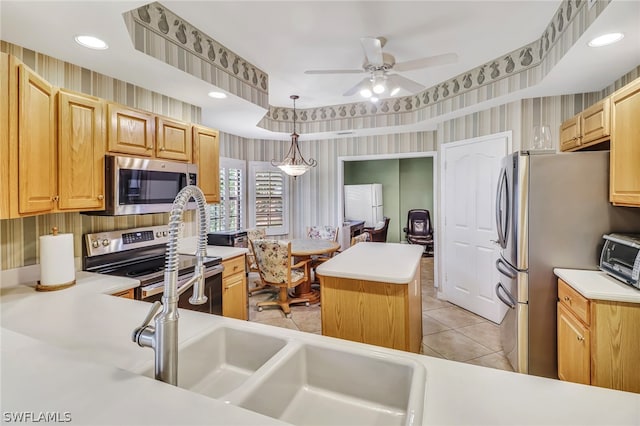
19 238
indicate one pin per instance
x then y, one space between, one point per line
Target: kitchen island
70 353
371 293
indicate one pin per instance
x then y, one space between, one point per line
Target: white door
471 170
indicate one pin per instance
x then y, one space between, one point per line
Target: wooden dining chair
256 234
324 232
360 238
276 268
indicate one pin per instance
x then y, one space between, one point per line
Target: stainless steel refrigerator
551 211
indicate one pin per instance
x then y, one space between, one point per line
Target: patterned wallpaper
522 68
314 195
19 237
158 32
314 199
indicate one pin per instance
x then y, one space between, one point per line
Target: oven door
212 289
137 185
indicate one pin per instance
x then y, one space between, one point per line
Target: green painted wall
385 172
407 183
416 186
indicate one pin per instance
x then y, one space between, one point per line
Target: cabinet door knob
55 198
567 299
580 338
162 149
101 197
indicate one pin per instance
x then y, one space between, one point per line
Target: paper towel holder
54 287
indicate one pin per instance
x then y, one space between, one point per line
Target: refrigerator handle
500 227
507 299
505 269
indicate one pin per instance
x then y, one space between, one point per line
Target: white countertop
384 262
71 351
189 245
598 285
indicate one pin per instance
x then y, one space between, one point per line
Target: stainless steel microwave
137 185
620 257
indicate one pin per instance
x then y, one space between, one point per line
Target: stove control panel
137 237
126 239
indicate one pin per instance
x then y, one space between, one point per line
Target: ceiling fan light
379 88
394 91
366 92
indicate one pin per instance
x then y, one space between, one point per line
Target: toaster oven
228 238
620 258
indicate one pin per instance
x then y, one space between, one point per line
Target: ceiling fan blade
372 50
431 61
404 83
360 71
356 88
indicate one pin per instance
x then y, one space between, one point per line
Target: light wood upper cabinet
586 129
598 341
570 134
173 139
130 131
625 146
81 149
34 143
4 136
206 156
595 123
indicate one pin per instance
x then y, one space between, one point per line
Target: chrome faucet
163 335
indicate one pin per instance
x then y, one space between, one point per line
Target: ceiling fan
378 64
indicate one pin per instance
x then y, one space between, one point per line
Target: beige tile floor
448 331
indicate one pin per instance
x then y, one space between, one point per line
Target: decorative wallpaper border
229 71
516 70
160 33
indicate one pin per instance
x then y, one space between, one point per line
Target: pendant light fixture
294 163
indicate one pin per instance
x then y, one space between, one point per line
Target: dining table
305 248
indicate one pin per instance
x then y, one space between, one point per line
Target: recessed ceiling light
606 39
91 42
217 95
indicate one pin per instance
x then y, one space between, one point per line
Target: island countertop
384 262
71 351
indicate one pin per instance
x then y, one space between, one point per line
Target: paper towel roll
56 260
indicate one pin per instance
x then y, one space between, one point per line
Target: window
268 198
228 215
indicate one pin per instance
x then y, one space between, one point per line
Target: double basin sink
302 383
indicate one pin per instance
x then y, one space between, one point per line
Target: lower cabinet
234 288
598 341
574 344
377 313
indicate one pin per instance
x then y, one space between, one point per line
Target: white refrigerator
363 202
